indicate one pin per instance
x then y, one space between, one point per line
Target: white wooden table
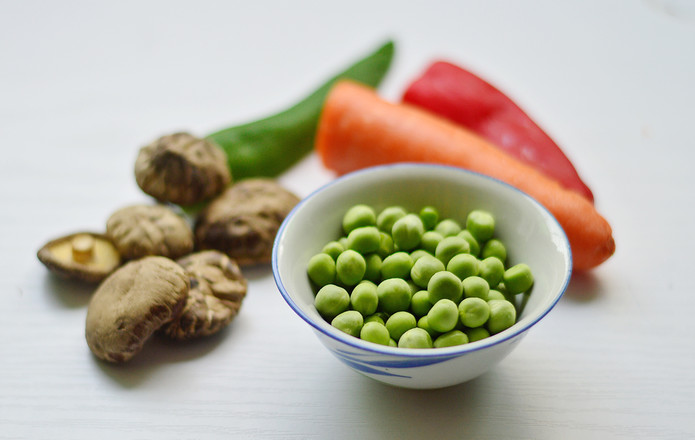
85 84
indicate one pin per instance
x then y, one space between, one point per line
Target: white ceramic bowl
530 232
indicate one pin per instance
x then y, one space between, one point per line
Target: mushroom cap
182 169
85 256
144 230
243 221
131 304
214 299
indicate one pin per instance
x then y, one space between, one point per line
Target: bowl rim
509 334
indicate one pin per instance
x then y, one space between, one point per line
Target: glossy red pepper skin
462 97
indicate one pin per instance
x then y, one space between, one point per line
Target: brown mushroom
243 221
131 304
217 291
85 256
143 230
182 169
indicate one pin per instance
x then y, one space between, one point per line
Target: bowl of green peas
420 276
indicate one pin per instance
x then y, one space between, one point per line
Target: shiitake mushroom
142 230
182 169
243 221
132 304
215 296
84 256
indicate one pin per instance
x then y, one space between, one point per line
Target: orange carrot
358 129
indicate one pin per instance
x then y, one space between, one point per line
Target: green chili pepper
271 145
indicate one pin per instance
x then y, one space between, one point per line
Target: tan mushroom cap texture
182 169
243 221
131 304
144 230
214 299
84 256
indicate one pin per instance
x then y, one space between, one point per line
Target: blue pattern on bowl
361 362
362 365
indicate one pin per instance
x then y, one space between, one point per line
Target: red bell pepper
457 94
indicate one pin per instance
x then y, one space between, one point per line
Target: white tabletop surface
85 84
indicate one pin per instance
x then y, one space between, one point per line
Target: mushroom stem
82 248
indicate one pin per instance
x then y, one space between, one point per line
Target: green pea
448 227
373 269
451 246
385 245
364 298
394 295
430 240
472 242
481 224
475 286
424 324
451 339
459 325
476 334
350 267
419 253
331 300
375 332
415 338
492 270
374 318
420 303
399 323
503 290
379 317
444 285
495 294
413 287
495 248
388 260
463 266
388 217
321 269
429 216
350 322
502 315
424 268
473 312
365 239
407 232
358 216
333 248
443 315
518 279
396 265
